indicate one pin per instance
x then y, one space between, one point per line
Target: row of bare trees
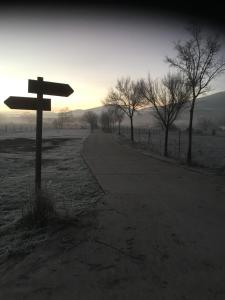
110 117
66 119
197 63
91 118
168 97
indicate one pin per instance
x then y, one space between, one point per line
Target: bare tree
111 114
64 119
167 97
115 115
91 118
118 116
106 121
198 59
28 117
126 96
206 124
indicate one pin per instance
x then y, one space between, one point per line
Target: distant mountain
80 112
209 107
213 104
17 116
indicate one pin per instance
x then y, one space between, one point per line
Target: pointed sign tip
49 88
7 101
27 103
70 90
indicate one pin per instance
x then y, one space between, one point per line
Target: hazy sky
85 49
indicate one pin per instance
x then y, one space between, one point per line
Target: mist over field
211 107
118 192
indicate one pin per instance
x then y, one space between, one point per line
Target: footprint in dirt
165 256
130 243
130 228
176 239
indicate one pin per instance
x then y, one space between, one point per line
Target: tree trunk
131 130
119 127
166 141
189 153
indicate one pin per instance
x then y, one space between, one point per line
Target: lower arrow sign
27 103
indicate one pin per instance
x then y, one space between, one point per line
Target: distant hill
17 116
213 105
209 107
80 112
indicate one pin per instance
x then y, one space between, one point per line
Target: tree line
196 64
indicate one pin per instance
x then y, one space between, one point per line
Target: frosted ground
65 176
208 151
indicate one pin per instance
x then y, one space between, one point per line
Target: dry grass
39 210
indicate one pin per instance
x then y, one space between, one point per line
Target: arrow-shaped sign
39 87
49 88
27 103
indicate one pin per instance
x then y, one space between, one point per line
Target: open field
65 178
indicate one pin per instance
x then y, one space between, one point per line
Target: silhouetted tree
28 117
106 121
126 96
64 119
167 97
198 59
111 113
119 116
115 115
91 118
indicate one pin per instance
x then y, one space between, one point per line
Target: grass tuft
39 210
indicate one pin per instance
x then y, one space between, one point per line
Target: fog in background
89 47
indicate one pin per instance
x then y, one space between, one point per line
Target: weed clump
39 210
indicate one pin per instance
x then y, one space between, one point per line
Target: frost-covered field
65 177
208 150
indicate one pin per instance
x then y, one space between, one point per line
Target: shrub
39 210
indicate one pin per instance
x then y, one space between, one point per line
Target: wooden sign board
39 87
49 88
27 103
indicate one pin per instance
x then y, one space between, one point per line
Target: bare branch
198 59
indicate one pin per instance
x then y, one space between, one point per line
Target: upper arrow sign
49 88
27 103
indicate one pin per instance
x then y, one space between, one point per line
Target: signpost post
39 87
39 116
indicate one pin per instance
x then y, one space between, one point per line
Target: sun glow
85 95
87 52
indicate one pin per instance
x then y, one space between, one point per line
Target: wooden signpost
27 103
39 104
49 88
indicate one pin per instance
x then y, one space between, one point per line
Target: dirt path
158 233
